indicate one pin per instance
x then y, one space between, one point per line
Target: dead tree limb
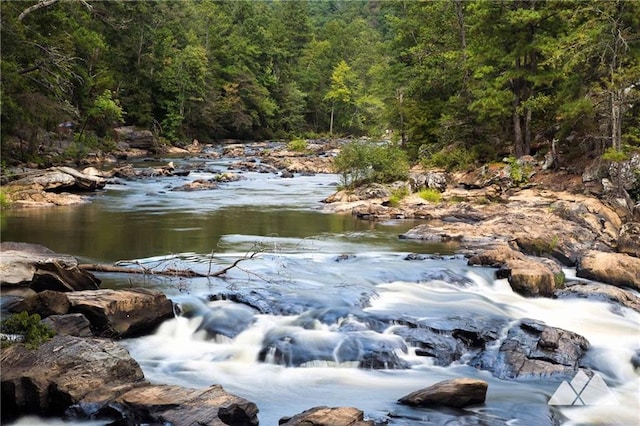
170 272
41 4
46 3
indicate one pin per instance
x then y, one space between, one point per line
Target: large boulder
617 269
62 372
172 405
446 340
97 379
527 276
327 416
39 188
112 313
24 265
531 279
456 393
532 350
134 138
629 239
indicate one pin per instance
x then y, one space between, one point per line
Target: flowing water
312 280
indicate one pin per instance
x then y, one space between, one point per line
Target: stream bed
316 297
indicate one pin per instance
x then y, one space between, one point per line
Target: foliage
4 200
431 195
397 195
105 112
451 158
35 332
615 155
361 162
469 80
518 172
297 145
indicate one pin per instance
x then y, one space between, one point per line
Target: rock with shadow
111 313
449 339
333 416
532 350
456 393
96 379
294 347
618 297
32 267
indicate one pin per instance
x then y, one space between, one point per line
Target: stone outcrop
327 416
532 350
428 180
601 292
53 186
629 239
63 372
456 393
112 313
35 267
97 379
174 405
135 138
617 269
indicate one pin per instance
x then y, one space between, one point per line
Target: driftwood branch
46 3
169 272
41 4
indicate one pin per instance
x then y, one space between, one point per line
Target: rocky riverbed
530 234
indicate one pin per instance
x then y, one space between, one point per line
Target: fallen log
167 272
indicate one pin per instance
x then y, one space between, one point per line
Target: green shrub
431 195
518 173
363 162
397 195
457 158
4 201
297 145
35 333
614 155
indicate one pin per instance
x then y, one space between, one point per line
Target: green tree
341 90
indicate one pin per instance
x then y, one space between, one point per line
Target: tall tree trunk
517 87
463 38
517 134
333 107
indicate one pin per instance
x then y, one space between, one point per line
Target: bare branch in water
169 272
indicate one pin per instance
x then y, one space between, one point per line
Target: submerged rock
601 292
197 185
532 350
453 393
294 347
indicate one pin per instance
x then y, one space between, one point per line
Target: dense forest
460 81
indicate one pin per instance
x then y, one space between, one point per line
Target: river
316 276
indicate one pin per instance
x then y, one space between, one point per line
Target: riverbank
357 326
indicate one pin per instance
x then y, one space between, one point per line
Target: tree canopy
490 78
